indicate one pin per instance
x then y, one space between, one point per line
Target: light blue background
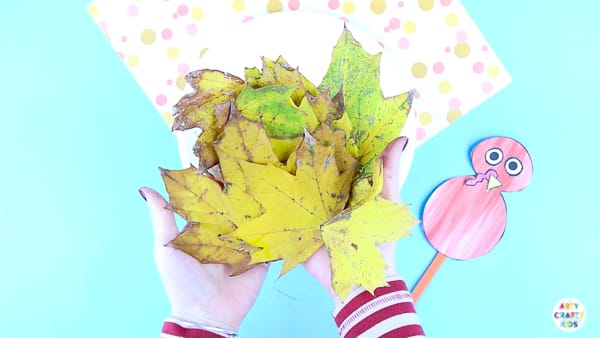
78 138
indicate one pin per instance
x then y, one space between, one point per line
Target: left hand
200 293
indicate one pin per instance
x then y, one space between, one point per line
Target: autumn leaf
273 106
208 108
295 205
280 73
375 120
208 244
212 213
286 167
351 239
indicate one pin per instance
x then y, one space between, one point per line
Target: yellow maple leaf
295 205
352 237
207 108
208 244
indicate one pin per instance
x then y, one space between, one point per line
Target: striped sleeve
173 330
389 312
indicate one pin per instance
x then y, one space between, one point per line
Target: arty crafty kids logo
569 314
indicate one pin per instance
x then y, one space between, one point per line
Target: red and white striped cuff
172 329
390 312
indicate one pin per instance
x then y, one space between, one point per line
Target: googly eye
493 156
513 166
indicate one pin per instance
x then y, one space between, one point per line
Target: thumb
163 221
391 165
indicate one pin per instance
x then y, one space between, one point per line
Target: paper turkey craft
465 216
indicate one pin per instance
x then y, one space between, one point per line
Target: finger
391 162
163 220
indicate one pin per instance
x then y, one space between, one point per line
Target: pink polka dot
247 18
161 100
445 2
183 69
484 48
123 38
167 34
121 55
417 95
487 87
333 4
169 82
182 10
400 4
403 43
191 29
394 23
478 67
132 10
420 134
438 67
175 16
294 4
386 29
461 36
447 49
103 26
454 103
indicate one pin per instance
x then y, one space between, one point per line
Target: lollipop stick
427 276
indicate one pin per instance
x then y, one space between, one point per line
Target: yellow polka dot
274 6
348 7
202 52
378 6
493 71
425 118
148 36
93 10
451 19
444 87
426 5
197 13
173 52
409 27
132 60
168 117
453 115
462 50
419 70
238 5
180 82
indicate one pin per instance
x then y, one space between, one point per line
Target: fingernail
405 143
143 195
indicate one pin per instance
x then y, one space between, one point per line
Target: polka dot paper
439 50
